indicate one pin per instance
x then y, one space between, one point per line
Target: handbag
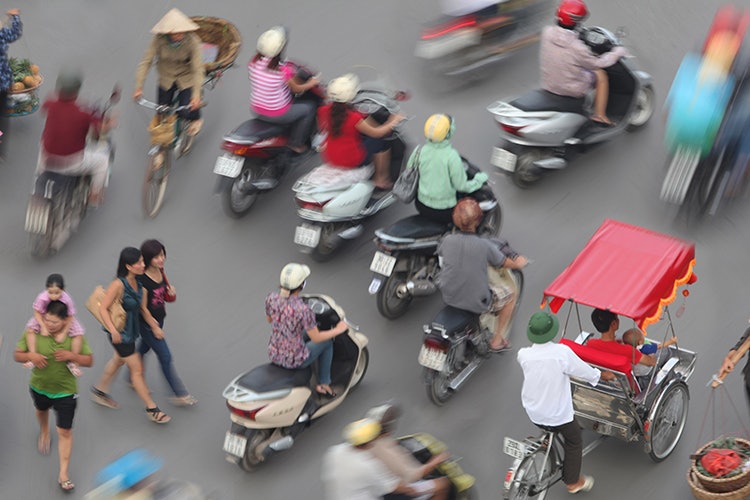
168 296
405 187
116 311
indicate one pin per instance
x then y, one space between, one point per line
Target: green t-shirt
55 380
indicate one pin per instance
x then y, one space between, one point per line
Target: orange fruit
34 69
29 81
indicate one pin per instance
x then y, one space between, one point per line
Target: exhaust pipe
551 163
421 288
282 444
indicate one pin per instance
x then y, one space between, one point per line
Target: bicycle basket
162 129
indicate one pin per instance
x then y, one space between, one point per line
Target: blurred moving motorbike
465 40
58 202
541 131
256 156
269 406
334 202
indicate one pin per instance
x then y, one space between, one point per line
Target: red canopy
626 269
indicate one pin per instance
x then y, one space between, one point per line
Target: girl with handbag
130 292
158 292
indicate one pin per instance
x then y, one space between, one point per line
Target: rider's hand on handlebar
520 261
195 103
607 375
137 95
341 327
13 12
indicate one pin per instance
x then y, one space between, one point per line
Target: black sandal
102 398
156 415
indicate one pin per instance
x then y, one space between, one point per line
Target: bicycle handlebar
164 108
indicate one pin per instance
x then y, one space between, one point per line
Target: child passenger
55 290
635 338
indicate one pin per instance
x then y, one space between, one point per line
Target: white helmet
293 275
272 42
343 88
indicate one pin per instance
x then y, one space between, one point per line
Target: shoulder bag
116 311
168 295
405 188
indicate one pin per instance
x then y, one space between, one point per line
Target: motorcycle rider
354 139
441 171
402 463
463 279
64 149
273 82
568 67
177 51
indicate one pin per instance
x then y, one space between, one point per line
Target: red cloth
346 149
66 127
625 350
720 461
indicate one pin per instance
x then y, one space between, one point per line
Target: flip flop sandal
67 486
187 400
157 416
324 392
102 398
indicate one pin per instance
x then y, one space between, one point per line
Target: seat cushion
270 377
417 226
454 319
541 100
254 130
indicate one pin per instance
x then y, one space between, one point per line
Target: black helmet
69 83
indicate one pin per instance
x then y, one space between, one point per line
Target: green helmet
69 83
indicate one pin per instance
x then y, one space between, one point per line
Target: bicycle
168 135
537 466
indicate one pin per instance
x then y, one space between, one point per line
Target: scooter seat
254 130
59 182
416 226
541 100
270 377
453 319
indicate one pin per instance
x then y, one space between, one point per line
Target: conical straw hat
174 21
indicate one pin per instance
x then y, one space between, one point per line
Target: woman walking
127 289
158 291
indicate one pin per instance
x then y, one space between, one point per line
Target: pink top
40 305
270 95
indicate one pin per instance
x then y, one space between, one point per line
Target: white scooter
333 202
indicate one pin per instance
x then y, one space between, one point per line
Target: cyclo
635 273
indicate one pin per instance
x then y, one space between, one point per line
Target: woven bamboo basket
222 33
700 493
162 129
718 484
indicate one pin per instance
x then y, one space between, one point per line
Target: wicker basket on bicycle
740 479
162 129
221 41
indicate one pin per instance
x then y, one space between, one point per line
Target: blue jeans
300 117
147 342
324 351
165 96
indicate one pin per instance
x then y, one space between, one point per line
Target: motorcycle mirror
402 96
621 33
115 95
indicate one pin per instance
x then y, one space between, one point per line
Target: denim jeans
165 96
324 351
300 116
147 342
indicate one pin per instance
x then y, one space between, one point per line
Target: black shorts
123 350
65 407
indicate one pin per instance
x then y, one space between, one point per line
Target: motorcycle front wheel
390 305
437 387
236 199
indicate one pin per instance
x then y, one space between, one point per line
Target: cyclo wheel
155 181
668 420
532 477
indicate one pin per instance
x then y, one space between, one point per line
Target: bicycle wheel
532 477
155 181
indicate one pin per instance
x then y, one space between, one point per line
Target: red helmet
571 12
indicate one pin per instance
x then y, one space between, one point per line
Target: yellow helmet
438 127
362 431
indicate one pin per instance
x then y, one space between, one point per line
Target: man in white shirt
546 395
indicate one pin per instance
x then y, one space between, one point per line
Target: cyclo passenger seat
271 377
604 359
254 130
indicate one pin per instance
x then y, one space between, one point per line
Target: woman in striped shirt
272 81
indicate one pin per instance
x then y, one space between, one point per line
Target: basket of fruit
22 95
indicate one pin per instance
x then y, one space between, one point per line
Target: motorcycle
457 342
269 406
256 157
58 202
333 202
406 265
456 45
541 131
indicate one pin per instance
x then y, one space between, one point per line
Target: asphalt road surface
223 268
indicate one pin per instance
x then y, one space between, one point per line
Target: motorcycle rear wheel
250 461
40 216
237 201
155 181
391 305
327 244
526 174
437 387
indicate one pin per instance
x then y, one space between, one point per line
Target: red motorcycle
256 156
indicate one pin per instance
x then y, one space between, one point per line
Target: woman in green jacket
441 171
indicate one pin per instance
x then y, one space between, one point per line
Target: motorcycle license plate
307 236
503 159
433 359
515 449
382 263
229 166
234 444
